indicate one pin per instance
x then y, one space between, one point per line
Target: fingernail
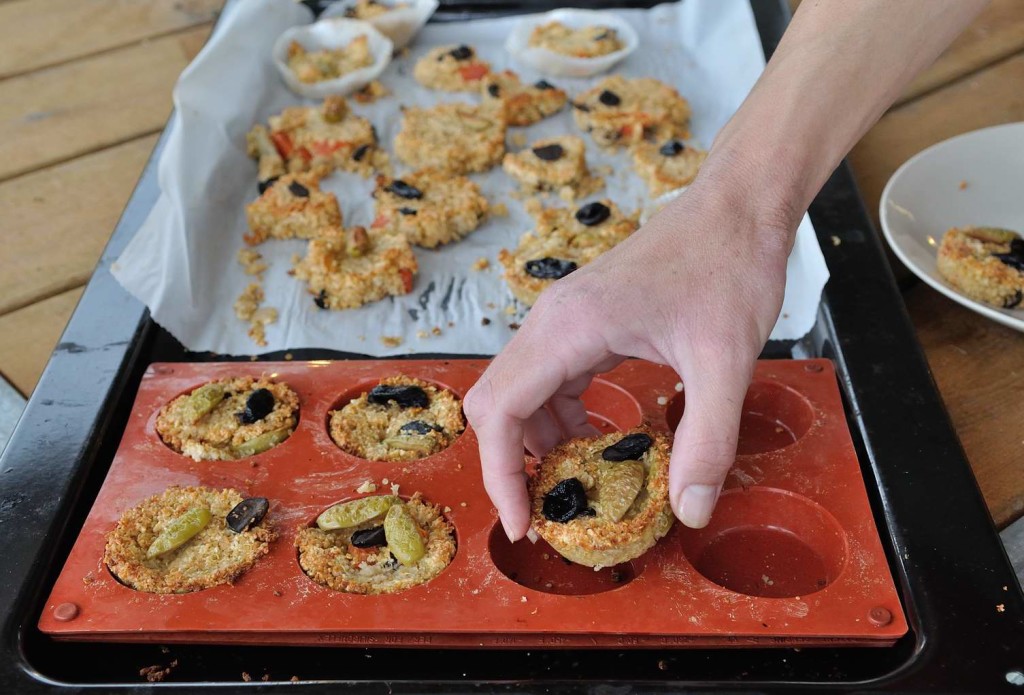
696 504
508 532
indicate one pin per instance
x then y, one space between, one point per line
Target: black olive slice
632 447
671 148
262 186
1013 300
549 268
566 501
407 211
549 153
404 396
247 514
257 406
593 214
463 52
360 152
321 299
543 84
609 98
298 189
494 90
369 538
419 427
404 190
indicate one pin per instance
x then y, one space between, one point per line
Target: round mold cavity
311 523
768 542
774 417
190 389
611 408
364 387
538 566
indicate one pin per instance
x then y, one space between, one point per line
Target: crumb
779 430
1001 607
518 139
836 241
785 315
90 578
604 170
288 357
436 330
265 678
249 301
246 677
662 665
510 310
447 510
499 210
546 556
294 679
963 186
253 358
362 338
514 326
251 262
662 400
481 264
156 672
490 305
533 206
679 386
767 580
485 321
391 341
253 464
463 504
394 488
371 93
384 481
548 585
534 611
422 334
522 599
278 593
451 324
367 486
165 650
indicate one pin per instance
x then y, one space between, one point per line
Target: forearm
840 65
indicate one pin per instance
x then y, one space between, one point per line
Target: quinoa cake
429 207
329 63
451 69
290 207
369 9
621 112
667 166
457 138
345 269
586 42
377 545
229 419
600 501
188 539
554 165
319 139
563 240
399 419
984 263
524 104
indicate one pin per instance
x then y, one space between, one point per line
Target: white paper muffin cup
399 25
332 33
554 64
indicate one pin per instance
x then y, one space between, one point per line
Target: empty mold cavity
768 542
539 567
774 416
610 408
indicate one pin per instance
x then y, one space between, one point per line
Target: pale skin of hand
699 287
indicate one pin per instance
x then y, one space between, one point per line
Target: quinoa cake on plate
984 263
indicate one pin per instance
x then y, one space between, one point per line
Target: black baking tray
943 549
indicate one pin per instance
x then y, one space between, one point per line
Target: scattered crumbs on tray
436 330
246 677
481 264
288 357
963 185
371 93
463 504
252 262
422 334
836 241
394 488
367 486
447 510
510 310
499 210
785 315
490 305
247 308
1000 607
485 321
662 665
391 341
294 679
514 326
522 599
157 672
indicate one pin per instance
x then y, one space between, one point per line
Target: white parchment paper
182 265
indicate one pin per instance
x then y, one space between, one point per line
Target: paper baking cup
400 25
332 33
557 65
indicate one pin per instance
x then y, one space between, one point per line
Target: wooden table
85 89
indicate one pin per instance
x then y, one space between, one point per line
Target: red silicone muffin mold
791 557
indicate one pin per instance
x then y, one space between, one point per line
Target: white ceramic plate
924 198
553 64
332 33
399 25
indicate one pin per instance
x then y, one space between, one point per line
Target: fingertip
696 504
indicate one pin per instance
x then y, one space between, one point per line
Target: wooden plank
57 221
64 112
39 34
27 338
979 368
997 33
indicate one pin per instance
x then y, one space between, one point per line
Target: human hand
698 288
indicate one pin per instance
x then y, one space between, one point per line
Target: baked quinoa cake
620 112
601 501
524 104
188 539
457 138
229 419
452 69
377 545
328 63
290 207
563 240
429 207
319 139
399 419
667 166
344 269
586 42
554 165
984 263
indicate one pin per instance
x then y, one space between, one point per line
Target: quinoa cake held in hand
524 104
318 139
329 63
399 419
585 42
984 263
457 138
563 240
429 207
345 269
291 207
229 419
621 112
377 545
554 165
601 501
451 69
188 539
667 166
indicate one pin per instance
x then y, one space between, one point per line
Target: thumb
705 440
